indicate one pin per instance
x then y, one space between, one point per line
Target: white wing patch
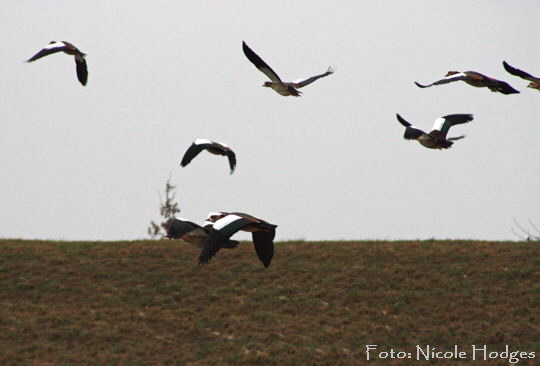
54 45
438 124
459 74
202 141
221 223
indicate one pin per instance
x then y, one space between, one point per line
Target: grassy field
319 303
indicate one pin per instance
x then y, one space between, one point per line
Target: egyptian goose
436 139
285 89
227 224
534 81
66 47
192 233
216 148
475 79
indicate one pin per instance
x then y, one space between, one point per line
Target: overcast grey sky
87 162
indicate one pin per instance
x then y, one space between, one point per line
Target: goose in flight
534 81
436 139
283 88
215 148
192 233
226 225
475 79
66 47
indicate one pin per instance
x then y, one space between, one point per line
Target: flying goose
475 79
192 233
66 47
436 139
216 148
534 81
227 224
285 89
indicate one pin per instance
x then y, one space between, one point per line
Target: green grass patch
319 303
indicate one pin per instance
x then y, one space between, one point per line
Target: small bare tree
528 235
167 208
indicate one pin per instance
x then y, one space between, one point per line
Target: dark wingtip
402 120
419 85
512 70
510 90
246 49
508 68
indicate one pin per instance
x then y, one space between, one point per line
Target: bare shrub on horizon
528 235
168 209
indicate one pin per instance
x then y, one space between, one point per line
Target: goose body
70 49
475 79
216 148
534 81
192 233
226 225
436 139
282 88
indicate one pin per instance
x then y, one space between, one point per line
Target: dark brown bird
227 224
283 88
534 81
216 148
475 79
436 139
66 47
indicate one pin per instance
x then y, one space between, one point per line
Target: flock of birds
219 227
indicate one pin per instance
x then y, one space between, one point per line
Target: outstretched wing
176 228
214 242
232 160
219 235
53 47
444 123
82 70
402 121
303 82
411 132
506 88
260 64
455 138
446 80
264 245
196 147
522 74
